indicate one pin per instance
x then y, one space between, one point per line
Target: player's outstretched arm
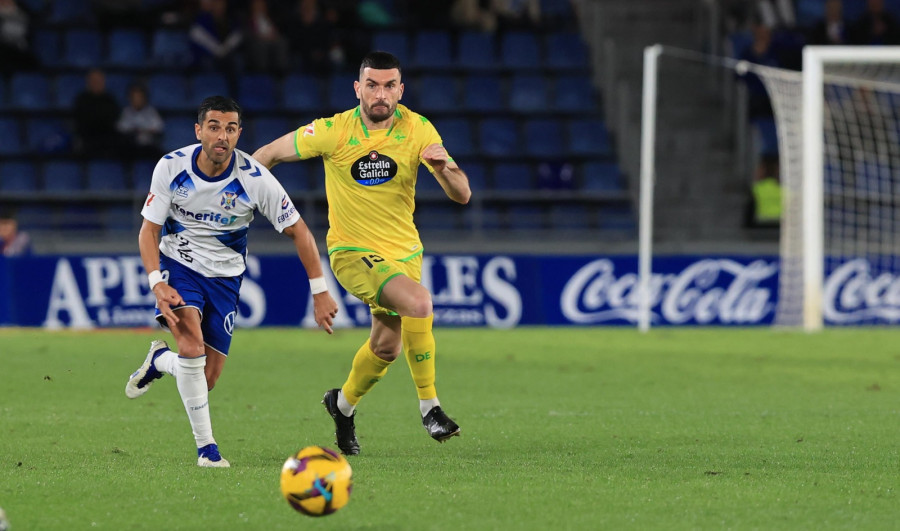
166 295
279 150
324 306
451 178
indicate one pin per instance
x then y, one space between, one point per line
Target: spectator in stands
875 26
13 242
831 29
15 52
517 14
777 14
96 113
267 49
141 124
216 38
474 14
317 37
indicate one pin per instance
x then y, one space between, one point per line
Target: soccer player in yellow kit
371 155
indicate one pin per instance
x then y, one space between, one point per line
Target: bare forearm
455 184
306 248
148 244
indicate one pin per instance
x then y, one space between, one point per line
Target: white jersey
205 219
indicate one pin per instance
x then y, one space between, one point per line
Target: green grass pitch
562 428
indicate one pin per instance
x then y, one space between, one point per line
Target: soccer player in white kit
193 242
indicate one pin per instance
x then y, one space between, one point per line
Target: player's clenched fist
436 156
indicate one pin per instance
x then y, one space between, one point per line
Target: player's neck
375 126
210 168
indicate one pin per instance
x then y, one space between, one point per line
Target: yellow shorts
364 274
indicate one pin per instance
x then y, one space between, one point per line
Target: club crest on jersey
374 169
229 200
182 191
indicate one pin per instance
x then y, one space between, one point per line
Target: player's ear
400 95
356 86
197 131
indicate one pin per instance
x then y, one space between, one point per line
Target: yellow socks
418 343
367 369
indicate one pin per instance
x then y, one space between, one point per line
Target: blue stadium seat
483 92
437 216
520 50
126 48
82 48
499 137
491 216
107 176
47 135
30 91
618 218
426 182
525 217
602 177
574 93
457 136
117 85
477 175
476 51
63 176
436 93
17 176
395 42
556 11
566 50
70 11
544 137
258 92
432 49
739 42
266 130
528 92
293 178
170 48
141 173
513 176
179 132
589 136
81 216
570 216
121 218
36 217
68 87
555 174
207 84
169 92
301 93
46 45
10 138
340 92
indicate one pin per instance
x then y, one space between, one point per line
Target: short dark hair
380 61
218 103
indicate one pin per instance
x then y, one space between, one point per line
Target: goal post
838 131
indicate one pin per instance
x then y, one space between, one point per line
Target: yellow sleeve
428 135
316 139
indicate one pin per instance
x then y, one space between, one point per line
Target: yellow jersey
370 179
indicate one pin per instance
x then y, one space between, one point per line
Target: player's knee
191 349
421 306
387 351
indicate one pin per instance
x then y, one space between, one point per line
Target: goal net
838 124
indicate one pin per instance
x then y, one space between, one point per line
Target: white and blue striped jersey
205 219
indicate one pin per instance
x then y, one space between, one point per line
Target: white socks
426 405
190 379
167 362
346 407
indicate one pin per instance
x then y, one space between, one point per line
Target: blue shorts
215 297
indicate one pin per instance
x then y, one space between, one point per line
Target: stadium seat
82 48
266 130
340 92
169 92
483 93
589 136
477 175
489 216
544 137
258 93
499 137
432 49
47 135
46 45
17 176
395 42
81 216
293 178
525 217
476 51
11 136
126 48
556 12
70 11
528 93
170 48
117 85
68 87
141 173
436 93
121 218
520 50
554 174
29 91
106 176
437 216
570 216
3 102
427 183
207 84
574 93
566 50
513 176
618 218
602 177
301 93
36 217
63 176
457 136
179 132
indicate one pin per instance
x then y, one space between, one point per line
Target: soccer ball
316 481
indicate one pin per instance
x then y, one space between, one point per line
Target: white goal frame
815 58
